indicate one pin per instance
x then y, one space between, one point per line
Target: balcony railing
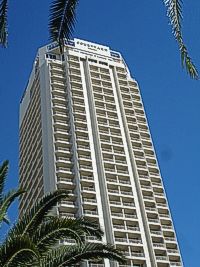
115 202
133 216
128 204
90 212
175 263
135 241
154 220
170 239
135 254
161 258
88 188
167 227
156 232
88 178
158 245
117 214
121 239
127 193
113 191
133 228
89 200
122 227
173 251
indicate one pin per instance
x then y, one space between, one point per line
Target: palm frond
18 251
71 255
62 20
3 175
33 217
174 12
55 229
7 201
3 22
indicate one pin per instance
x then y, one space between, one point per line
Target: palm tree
34 239
63 17
6 199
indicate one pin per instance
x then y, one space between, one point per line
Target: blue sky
141 32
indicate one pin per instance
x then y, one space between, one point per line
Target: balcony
135 241
115 203
124 182
159 194
128 204
128 193
63 170
162 258
132 228
91 189
67 203
115 214
85 168
143 176
67 183
167 227
110 180
90 212
121 240
175 263
156 184
63 141
148 197
121 227
113 191
63 160
87 178
159 245
89 201
170 239
137 254
153 220
64 179
150 209
164 215
173 251
162 205
131 216
156 232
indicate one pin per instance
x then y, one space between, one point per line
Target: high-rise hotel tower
83 128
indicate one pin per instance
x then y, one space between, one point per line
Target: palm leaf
71 255
174 12
7 201
3 22
37 214
18 251
3 175
62 20
55 229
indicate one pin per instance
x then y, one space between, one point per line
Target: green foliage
17 251
174 12
6 199
71 255
3 22
63 17
62 20
34 239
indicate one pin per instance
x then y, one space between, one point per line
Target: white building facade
83 128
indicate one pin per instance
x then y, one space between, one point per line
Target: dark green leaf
3 22
62 20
